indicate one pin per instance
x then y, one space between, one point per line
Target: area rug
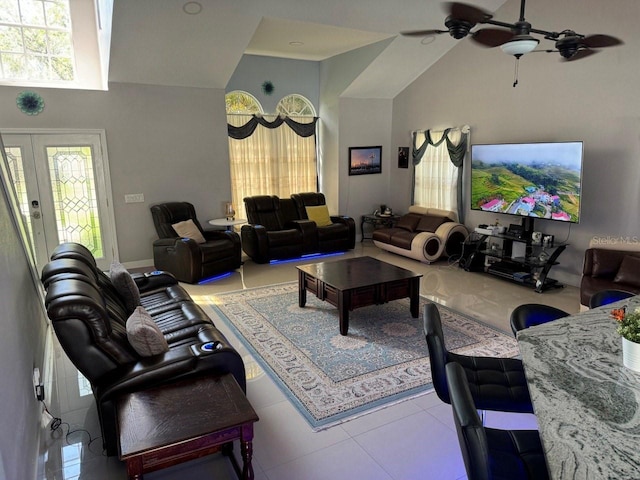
332 378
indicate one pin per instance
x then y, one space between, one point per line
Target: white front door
61 182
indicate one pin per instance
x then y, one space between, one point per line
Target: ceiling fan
515 38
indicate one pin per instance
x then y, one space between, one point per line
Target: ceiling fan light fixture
519 45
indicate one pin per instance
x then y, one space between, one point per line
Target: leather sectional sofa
280 228
91 316
424 234
606 269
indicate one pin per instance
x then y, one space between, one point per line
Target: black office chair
496 384
489 453
530 314
605 297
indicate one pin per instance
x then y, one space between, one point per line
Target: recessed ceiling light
192 8
296 44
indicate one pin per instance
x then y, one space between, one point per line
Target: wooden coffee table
358 282
167 425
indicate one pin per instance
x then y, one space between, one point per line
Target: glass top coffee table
358 282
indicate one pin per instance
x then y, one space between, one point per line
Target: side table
377 221
223 222
171 424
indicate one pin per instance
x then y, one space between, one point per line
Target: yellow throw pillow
188 229
320 215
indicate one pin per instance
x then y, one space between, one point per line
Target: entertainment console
514 257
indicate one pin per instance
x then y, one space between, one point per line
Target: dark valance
246 130
456 152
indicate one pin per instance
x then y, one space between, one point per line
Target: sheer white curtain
436 178
270 162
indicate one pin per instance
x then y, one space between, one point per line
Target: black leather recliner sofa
89 317
278 228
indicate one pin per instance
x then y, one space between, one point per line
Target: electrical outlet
37 384
134 198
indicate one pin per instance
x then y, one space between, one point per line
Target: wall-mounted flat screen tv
539 180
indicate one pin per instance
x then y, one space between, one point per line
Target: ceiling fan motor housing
458 28
568 46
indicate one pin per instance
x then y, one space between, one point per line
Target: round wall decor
30 103
267 87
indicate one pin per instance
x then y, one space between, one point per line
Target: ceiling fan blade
600 41
422 33
466 12
492 37
582 53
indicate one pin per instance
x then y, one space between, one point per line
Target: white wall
169 143
23 326
336 74
595 99
364 122
287 76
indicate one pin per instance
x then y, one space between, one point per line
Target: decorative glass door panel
61 185
75 202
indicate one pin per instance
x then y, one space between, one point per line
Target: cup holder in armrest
206 348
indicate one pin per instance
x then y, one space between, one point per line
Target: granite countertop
586 402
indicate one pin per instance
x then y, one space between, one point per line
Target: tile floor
410 440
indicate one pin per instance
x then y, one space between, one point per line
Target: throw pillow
629 271
408 221
320 215
430 223
144 335
188 229
125 286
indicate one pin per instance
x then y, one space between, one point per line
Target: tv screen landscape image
539 180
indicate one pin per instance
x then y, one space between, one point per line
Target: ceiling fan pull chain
515 73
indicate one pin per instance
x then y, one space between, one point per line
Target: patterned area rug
332 378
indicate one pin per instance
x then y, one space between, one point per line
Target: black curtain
246 130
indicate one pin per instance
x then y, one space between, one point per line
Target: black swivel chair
496 384
489 453
605 297
530 314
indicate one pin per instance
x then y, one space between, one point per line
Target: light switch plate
134 198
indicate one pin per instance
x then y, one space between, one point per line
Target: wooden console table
175 423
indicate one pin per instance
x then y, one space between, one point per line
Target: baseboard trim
139 264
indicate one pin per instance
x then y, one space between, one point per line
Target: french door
62 184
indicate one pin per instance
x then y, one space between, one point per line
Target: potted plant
629 329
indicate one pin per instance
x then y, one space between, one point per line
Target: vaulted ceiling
199 44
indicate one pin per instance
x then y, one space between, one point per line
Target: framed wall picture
403 157
365 160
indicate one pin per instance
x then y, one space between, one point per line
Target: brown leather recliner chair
186 259
340 235
273 232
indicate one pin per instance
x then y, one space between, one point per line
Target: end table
377 221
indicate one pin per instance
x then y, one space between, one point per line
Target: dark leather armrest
222 235
255 242
350 223
309 231
152 280
171 366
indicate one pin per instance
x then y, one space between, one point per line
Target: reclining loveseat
284 228
119 346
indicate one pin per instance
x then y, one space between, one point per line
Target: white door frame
102 171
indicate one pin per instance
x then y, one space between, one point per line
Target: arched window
295 105
268 154
240 102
